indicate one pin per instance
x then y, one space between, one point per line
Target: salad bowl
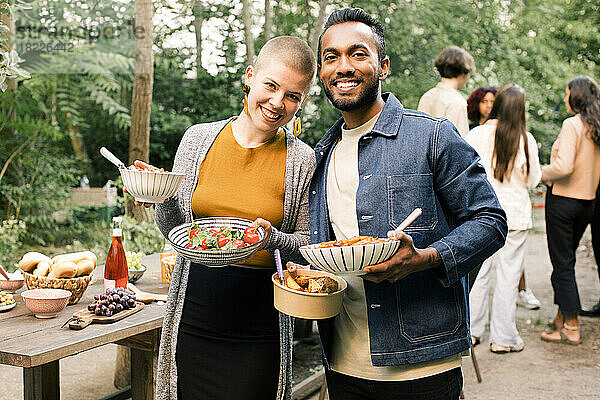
216 256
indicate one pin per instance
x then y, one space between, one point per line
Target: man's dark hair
355 15
454 61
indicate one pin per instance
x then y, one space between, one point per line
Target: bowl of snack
71 272
135 269
308 294
216 241
7 301
167 264
349 257
46 303
13 284
150 184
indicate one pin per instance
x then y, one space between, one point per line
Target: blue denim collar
387 124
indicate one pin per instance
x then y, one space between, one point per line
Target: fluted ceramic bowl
46 303
349 260
150 187
11 286
178 237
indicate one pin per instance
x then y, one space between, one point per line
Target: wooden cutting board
83 318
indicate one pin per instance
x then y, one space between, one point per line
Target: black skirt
228 341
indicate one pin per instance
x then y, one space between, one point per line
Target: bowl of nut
7 301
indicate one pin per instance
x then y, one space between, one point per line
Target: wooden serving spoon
3 272
146 297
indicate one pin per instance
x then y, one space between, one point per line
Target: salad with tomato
222 238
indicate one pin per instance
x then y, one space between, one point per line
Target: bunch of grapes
112 301
134 260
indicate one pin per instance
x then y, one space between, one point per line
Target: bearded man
403 325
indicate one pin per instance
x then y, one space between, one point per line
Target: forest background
67 72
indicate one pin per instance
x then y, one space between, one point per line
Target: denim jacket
411 160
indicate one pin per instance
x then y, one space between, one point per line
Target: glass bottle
115 269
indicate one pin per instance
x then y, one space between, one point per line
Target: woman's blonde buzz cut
291 51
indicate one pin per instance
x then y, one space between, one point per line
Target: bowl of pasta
349 257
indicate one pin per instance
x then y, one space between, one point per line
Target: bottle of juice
115 269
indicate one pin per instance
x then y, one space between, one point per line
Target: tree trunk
139 135
198 11
314 40
268 20
249 39
78 144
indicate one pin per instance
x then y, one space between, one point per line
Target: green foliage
86 93
11 232
143 237
9 58
38 175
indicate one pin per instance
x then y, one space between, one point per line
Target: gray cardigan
194 146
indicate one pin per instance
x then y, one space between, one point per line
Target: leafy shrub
142 237
11 232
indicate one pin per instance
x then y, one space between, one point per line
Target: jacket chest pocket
407 192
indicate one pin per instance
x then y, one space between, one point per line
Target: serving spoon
3 272
409 220
111 157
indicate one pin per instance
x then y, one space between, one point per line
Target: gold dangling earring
298 123
246 90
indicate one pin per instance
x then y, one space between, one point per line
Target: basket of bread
72 272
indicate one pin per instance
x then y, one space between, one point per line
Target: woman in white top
509 155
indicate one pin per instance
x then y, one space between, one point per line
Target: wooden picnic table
37 345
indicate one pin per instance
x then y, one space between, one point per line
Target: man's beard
367 97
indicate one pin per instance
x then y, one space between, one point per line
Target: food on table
43 268
112 301
31 260
353 241
75 257
6 298
134 260
310 284
64 269
222 238
66 266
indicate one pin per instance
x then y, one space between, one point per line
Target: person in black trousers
594 311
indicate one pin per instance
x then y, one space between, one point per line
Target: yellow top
234 181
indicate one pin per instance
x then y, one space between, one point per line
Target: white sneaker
499 349
528 300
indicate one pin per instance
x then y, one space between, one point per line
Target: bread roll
85 267
31 259
75 257
63 269
42 269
